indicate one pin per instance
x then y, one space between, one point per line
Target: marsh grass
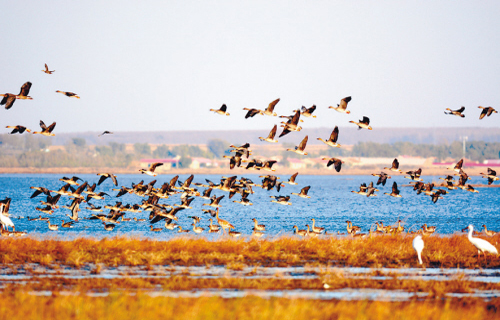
378 251
122 305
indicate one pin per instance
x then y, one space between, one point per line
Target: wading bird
481 244
418 246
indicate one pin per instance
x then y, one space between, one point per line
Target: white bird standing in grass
4 220
418 246
481 244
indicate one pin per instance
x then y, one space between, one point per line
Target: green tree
142 148
218 147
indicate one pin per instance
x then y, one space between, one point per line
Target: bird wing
492 172
292 178
461 109
344 102
25 89
223 108
113 178
338 165
395 163
42 125
8 100
272 134
285 132
51 127
296 117
156 164
102 179
459 164
483 113
365 120
335 134
251 113
46 67
271 106
305 190
303 143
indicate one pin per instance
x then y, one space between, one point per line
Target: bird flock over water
85 192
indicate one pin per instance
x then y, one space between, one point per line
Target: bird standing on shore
418 246
481 244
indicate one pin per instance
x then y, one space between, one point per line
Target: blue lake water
331 204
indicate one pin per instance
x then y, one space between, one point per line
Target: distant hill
347 136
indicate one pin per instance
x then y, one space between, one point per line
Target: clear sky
161 65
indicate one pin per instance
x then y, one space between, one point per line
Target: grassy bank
378 251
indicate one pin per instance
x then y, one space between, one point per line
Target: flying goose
69 94
487 111
382 178
303 192
492 176
457 112
363 124
72 181
414 175
222 110
291 181
308 112
342 106
332 141
270 137
394 167
252 112
395 191
47 71
270 108
68 224
18 129
151 170
300 148
283 200
291 125
46 131
337 163
105 132
105 176
9 98
458 166
214 201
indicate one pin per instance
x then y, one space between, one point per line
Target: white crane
4 220
481 244
418 246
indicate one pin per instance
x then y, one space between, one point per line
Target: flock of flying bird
85 192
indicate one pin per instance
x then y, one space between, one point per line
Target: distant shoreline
429 171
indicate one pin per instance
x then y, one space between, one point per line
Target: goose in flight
222 110
283 200
18 129
337 163
458 166
492 176
291 181
342 106
457 112
300 148
72 181
332 141
382 178
270 137
46 131
363 124
414 175
308 112
9 98
151 170
47 71
105 176
105 132
270 108
69 94
252 112
395 191
291 125
487 111
303 192
394 167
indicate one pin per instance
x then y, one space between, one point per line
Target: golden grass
378 251
122 305
175 283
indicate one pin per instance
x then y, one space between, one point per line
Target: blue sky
161 65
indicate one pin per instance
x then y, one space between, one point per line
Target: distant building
199 162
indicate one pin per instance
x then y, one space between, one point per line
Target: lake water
331 204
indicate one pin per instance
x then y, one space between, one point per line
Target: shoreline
426 171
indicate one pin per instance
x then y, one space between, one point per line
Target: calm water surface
331 204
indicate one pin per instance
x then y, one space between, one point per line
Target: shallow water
331 204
